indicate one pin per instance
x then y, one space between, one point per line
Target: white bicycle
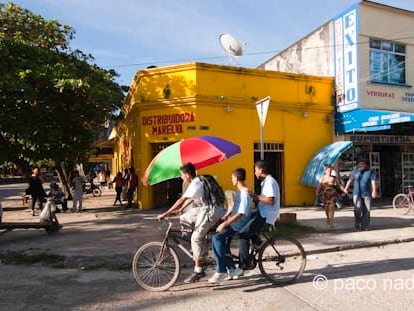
403 202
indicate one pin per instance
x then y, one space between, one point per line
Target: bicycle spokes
282 260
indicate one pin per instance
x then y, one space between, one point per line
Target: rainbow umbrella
202 151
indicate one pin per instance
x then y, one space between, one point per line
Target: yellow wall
299 116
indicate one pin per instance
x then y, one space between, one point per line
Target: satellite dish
231 44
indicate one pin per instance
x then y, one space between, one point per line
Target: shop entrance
165 193
273 154
390 163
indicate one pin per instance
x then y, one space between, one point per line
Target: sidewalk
104 236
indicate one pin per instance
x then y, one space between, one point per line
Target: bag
45 214
213 193
48 209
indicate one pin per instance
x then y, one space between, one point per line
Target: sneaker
235 272
217 278
229 277
195 277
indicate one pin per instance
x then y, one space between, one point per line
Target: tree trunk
64 179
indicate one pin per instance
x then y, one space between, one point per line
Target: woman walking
119 182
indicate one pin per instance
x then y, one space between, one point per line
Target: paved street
372 270
376 279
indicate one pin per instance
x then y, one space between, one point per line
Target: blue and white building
369 49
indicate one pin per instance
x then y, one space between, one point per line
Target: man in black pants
36 189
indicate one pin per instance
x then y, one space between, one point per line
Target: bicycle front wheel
156 266
282 260
401 204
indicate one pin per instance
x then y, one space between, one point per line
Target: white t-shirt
270 188
195 191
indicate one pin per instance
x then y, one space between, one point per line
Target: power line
292 47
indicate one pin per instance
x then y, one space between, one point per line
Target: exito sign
346 60
167 124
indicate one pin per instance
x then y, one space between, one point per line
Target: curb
358 246
122 262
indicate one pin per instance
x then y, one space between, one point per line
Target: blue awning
327 155
365 120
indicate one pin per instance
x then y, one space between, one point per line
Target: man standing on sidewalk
365 190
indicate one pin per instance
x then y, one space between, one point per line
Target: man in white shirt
269 205
194 217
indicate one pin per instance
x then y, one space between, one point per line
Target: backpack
213 192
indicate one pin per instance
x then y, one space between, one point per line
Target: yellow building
167 104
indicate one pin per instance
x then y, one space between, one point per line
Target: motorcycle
90 187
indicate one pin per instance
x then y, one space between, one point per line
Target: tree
53 100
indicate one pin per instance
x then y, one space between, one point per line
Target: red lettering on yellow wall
167 129
168 123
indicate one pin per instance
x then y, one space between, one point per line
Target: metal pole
261 134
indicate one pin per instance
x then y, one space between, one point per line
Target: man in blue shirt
234 220
364 191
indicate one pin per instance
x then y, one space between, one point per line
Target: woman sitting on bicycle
235 219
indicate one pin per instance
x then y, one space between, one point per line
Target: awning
327 155
365 120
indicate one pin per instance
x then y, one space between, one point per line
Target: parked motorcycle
90 187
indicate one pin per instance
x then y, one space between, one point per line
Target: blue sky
129 35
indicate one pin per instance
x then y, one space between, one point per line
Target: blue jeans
255 226
221 249
362 207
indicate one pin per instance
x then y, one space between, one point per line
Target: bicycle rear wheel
282 260
401 204
156 266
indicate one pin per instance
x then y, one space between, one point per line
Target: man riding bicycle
235 219
269 205
197 217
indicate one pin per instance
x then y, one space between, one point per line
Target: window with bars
387 62
269 147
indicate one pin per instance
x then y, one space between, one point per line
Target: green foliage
294 229
53 101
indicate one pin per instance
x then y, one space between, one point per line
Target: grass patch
291 229
21 258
